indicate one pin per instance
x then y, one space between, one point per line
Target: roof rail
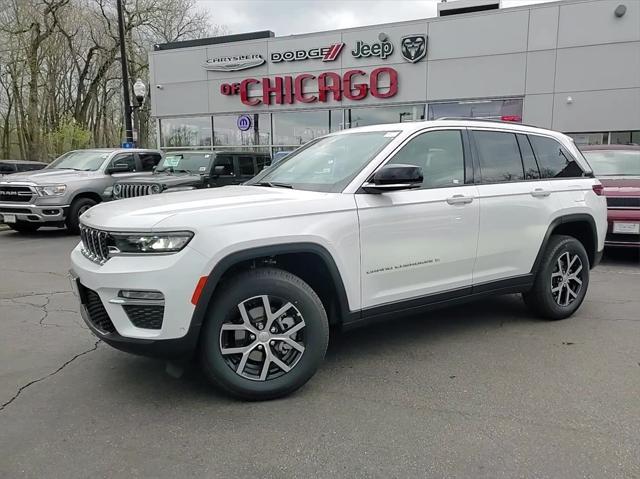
489 120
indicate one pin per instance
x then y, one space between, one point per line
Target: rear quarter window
553 159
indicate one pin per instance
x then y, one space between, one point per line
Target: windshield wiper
272 184
66 168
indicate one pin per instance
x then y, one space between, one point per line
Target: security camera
159 87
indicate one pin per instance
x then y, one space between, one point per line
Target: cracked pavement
482 390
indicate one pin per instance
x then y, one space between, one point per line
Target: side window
531 171
439 154
553 159
126 159
499 156
149 160
245 164
7 168
227 163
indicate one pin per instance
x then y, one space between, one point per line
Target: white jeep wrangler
359 225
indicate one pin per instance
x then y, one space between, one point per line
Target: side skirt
516 284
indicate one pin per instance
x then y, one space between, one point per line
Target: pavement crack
64 365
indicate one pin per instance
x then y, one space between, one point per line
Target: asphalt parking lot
483 390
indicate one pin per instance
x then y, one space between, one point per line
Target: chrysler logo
413 47
233 63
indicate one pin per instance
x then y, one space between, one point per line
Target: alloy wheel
566 279
263 339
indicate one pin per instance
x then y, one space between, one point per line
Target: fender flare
234 258
572 218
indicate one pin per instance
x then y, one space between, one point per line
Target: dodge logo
413 47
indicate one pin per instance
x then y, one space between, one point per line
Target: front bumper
28 212
175 276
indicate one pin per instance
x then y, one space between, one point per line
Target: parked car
191 170
8 167
58 194
618 169
356 226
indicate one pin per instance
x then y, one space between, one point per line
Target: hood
177 179
49 176
621 185
192 210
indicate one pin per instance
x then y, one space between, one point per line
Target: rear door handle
459 200
540 193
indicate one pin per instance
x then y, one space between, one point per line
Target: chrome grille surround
95 244
11 192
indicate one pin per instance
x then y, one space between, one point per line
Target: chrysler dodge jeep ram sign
233 63
352 85
327 54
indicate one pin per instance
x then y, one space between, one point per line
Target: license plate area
9 218
626 228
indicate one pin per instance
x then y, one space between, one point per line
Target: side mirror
394 178
118 168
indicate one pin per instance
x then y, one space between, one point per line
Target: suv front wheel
265 335
562 280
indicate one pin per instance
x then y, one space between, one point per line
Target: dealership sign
327 54
307 88
413 47
233 63
380 49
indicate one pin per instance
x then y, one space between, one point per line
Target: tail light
598 189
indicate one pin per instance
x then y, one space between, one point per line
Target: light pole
125 76
139 91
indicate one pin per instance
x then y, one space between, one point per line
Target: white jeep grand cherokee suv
355 226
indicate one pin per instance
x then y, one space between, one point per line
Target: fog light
149 295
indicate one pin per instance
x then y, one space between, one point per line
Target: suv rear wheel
265 335
562 280
78 206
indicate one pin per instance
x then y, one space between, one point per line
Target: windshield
191 162
614 162
327 164
81 160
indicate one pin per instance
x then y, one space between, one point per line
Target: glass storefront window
506 110
590 138
378 115
227 133
178 132
297 128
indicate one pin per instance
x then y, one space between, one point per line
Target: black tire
78 206
541 299
23 227
225 307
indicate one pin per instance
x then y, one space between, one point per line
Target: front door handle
459 200
540 193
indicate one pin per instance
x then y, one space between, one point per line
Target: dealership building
573 66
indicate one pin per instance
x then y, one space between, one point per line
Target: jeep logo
379 49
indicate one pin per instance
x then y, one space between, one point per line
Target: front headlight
51 190
170 242
155 189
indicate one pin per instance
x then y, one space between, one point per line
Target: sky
288 17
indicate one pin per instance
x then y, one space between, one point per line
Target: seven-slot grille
131 190
16 194
95 244
623 202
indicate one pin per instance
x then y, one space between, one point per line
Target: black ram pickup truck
191 170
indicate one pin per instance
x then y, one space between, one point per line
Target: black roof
215 152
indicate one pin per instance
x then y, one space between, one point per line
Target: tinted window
227 162
245 163
499 156
439 154
186 161
126 159
553 159
7 168
531 171
149 160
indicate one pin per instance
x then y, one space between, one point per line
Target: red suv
618 169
